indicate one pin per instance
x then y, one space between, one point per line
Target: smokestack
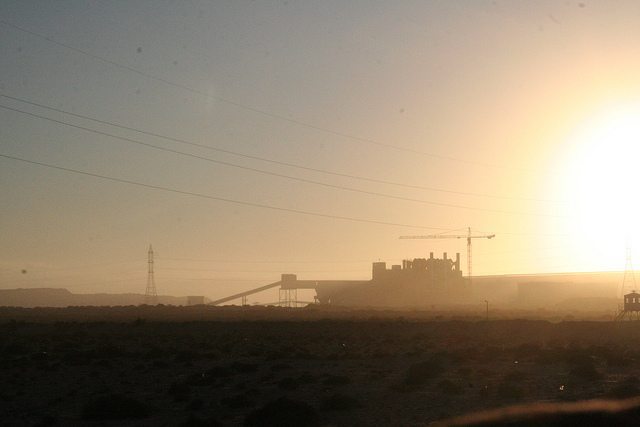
457 261
444 255
431 255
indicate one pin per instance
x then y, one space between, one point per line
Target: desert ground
257 366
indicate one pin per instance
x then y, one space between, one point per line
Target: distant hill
57 297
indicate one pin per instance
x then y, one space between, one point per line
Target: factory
421 282
417 282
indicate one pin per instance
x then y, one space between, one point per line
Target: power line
260 271
222 279
252 204
252 108
262 262
220 199
278 162
261 171
83 266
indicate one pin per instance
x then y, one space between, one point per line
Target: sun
602 183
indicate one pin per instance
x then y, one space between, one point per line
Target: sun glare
601 187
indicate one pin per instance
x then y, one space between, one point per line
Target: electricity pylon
629 279
151 294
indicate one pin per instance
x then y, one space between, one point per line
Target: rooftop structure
631 307
414 283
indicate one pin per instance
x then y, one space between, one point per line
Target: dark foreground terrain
127 366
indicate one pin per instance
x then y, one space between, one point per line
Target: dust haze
319 213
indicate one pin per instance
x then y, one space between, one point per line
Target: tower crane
468 236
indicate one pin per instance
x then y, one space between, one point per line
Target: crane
467 236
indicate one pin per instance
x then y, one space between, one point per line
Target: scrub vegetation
358 371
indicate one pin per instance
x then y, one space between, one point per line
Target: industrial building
417 282
421 282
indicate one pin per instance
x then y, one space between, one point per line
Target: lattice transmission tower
629 279
151 294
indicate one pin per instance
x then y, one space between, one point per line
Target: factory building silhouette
414 283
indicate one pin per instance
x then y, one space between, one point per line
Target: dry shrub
339 402
210 377
283 412
449 387
584 372
195 404
114 407
508 390
290 383
179 391
421 373
195 421
628 388
280 367
238 401
336 380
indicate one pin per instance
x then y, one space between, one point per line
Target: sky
245 139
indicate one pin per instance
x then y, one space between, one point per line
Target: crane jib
467 236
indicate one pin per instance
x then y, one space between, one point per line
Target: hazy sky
516 118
